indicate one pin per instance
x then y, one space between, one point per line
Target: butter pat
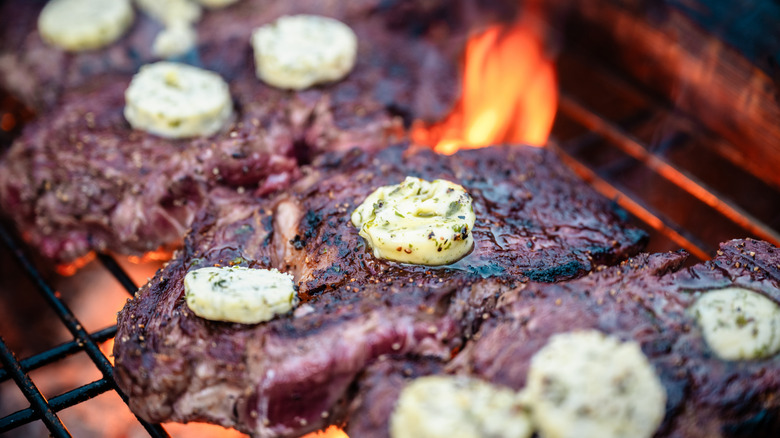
84 24
447 406
176 39
171 11
738 324
237 294
177 100
588 385
215 4
299 51
419 222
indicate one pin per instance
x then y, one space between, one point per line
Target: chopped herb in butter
419 222
738 324
299 51
238 294
176 100
588 385
449 406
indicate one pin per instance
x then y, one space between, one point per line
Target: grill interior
675 177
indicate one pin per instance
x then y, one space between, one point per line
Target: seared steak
283 378
39 73
645 300
80 179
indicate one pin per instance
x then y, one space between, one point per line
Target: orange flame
510 94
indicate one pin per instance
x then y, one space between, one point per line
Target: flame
510 94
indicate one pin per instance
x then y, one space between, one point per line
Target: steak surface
80 179
535 220
644 299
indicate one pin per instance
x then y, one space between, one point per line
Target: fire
509 94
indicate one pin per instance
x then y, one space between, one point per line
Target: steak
645 300
39 73
80 179
535 220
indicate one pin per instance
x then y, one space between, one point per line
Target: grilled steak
288 376
81 179
644 300
39 73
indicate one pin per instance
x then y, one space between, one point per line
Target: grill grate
606 130
41 408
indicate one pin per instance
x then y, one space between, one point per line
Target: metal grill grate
42 408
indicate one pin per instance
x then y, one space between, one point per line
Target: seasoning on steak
644 300
80 179
283 378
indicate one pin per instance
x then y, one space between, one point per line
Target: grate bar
651 218
681 179
118 272
58 352
39 406
58 403
72 324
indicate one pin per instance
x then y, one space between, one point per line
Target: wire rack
607 129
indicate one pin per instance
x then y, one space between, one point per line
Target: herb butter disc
176 39
177 100
237 294
171 11
448 406
296 52
76 25
215 4
738 324
588 385
419 222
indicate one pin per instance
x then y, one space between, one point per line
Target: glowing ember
158 255
509 94
331 432
68 269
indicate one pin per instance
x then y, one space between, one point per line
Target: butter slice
588 385
448 406
419 222
177 100
77 25
738 323
237 294
296 52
